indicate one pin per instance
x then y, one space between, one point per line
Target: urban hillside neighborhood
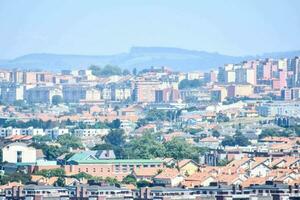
110 133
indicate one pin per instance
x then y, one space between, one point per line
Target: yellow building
187 167
240 90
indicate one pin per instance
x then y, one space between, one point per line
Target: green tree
115 137
110 70
223 162
238 139
271 132
115 124
143 183
48 173
41 139
222 118
130 179
96 70
112 181
156 115
216 133
126 72
186 84
68 141
145 147
51 152
15 177
178 148
241 140
83 175
193 131
60 182
57 99
228 141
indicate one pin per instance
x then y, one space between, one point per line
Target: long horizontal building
92 164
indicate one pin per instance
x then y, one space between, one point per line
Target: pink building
276 84
282 78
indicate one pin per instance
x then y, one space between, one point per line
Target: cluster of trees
238 139
108 70
271 132
51 152
186 84
99 125
222 118
158 115
148 146
18 176
35 123
57 99
130 179
48 173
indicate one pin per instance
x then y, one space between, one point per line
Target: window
19 156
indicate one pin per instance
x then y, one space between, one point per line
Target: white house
259 170
18 152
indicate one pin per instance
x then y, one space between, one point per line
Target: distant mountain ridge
138 57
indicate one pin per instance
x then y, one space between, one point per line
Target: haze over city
93 27
149 100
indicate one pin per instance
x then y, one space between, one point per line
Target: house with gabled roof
145 173
169 177
198 179
258 169
187 166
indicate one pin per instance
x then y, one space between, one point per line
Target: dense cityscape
108 133
149 100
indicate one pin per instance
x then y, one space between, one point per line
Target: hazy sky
234 27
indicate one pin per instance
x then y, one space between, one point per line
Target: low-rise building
90 132
55 132
19 153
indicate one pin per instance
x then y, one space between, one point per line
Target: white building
19 153
32 131
90 132
55 132
9 131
